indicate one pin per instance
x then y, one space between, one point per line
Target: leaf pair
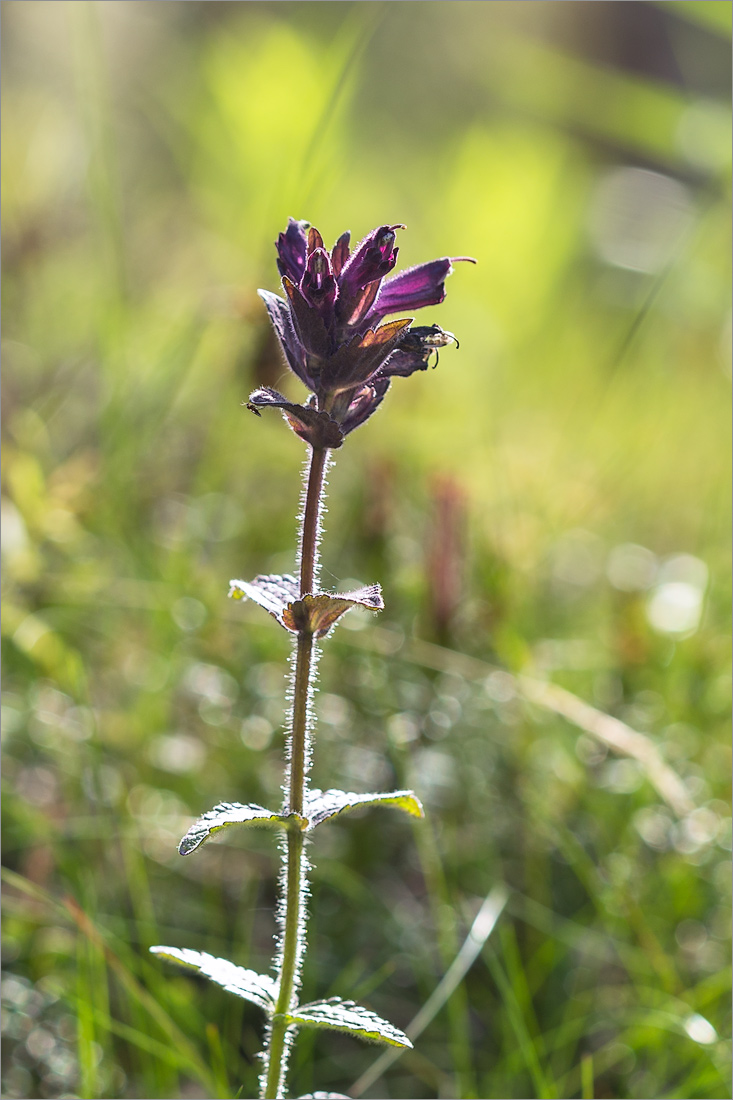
319 806
261 989
316 613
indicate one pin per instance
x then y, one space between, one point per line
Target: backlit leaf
338 1015
319 612
320 806
232 813
315 613
260 989
324 1096
271 591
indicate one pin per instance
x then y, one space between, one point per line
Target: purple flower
329 325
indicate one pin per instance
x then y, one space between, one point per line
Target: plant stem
295 864
299 731
311 522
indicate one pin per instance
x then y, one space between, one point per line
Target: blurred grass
577 447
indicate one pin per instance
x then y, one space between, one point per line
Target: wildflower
329 325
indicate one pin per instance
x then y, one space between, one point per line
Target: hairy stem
295 864
310 531
299 731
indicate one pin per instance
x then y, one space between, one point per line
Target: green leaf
338 1015
260 989
320 806
233 813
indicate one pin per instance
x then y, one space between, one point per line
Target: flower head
329 324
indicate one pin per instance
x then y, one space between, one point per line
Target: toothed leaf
260 989
319 612
271 591
316 613
338 1015
232 813
320 806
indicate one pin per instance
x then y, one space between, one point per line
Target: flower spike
329 323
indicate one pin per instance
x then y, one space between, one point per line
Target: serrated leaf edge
210 823
407 801
201 962
374 1027
277 595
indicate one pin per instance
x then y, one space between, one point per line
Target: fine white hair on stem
280 913
265 1056
293 879
322 509
281 916
309 718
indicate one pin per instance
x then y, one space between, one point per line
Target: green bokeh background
553 500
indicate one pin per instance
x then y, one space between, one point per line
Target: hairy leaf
317 428
324 1096
348 1016
320 806
232 813
319 612
316 613
271 591
260 989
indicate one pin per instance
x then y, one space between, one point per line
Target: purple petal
362 304
373 259
401 364
291 249
315 240
340 253
366 402
318 285
414 288
308 323
282 323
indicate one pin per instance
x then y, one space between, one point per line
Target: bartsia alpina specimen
332 329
